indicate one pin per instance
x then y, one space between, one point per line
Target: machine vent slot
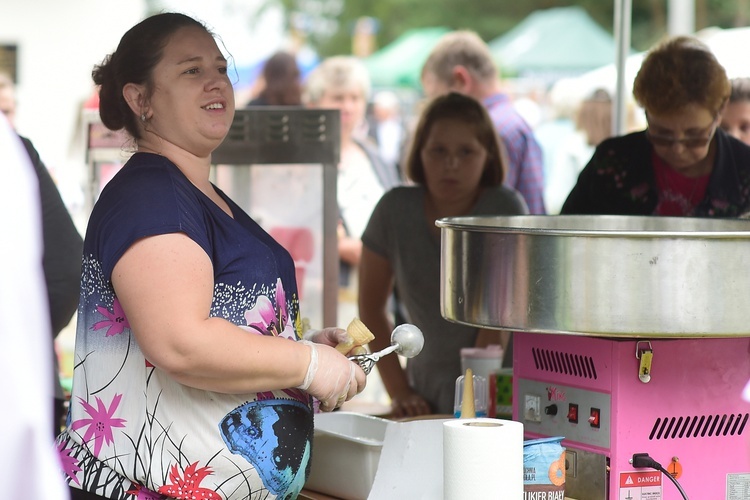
240 130
315 128
699 426
564 362
277 127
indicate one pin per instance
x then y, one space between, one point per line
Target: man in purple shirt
462 62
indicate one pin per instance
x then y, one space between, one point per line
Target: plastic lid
491 351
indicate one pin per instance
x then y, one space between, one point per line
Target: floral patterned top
619 180
135 433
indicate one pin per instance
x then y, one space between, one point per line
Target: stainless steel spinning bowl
611 276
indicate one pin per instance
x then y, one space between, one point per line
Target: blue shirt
525 171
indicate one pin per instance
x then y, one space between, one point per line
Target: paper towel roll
482 458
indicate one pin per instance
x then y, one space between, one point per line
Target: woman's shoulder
732 164
403 195
140 164
398 204
147 183
737 147
501 200
613 156
146 173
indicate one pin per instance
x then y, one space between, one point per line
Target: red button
594 418
573 413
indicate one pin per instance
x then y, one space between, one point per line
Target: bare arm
375 287
350 249
165 285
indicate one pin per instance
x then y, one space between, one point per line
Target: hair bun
110 109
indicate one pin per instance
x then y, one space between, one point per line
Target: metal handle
406 340
367 361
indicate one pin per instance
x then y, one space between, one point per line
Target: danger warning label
640 485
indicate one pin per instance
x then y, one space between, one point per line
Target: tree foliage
328 25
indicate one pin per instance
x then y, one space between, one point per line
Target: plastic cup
481 392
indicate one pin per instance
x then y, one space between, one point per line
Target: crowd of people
185 301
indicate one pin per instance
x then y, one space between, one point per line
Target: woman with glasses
683 164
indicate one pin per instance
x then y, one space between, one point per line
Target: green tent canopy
563 40
399 64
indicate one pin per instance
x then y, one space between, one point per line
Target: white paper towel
482 458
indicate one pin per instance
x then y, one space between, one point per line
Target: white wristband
312 368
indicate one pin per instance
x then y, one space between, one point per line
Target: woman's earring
143 117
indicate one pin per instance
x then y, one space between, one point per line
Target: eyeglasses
701 141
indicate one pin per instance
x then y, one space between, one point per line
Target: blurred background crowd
556 62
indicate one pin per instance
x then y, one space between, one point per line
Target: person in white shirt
29 467
388 127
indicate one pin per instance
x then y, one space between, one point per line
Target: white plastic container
346 451
482 361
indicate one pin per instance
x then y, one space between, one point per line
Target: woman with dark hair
458 166
281 82
683 164
191 379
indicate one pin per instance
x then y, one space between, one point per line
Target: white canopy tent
618 78
726 44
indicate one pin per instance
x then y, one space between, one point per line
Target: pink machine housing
689 416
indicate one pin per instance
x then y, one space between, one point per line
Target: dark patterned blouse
620 180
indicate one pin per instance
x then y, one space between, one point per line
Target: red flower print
116 321
189 486
101 422
69 464
142 493
638 191
720 204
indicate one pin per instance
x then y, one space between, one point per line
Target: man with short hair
462 62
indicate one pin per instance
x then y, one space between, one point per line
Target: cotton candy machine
633 336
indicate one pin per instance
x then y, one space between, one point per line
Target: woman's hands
409 404
329 336
331 377
336 337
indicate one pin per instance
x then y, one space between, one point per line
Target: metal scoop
406 340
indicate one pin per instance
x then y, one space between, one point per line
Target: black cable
671 478
643 460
